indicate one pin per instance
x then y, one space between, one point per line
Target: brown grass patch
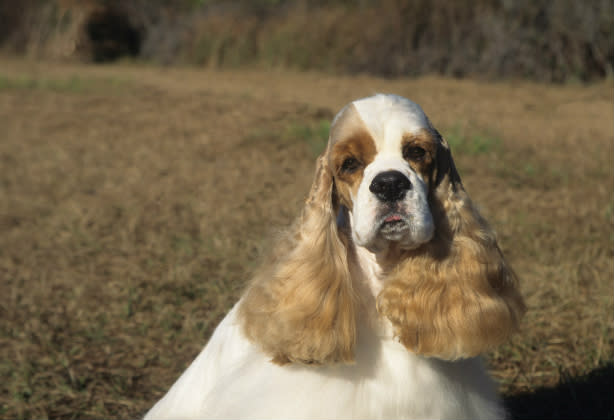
129 218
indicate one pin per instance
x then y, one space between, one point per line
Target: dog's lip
394 217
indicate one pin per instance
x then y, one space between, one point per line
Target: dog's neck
371 270
373 265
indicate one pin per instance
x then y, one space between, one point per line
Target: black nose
390 186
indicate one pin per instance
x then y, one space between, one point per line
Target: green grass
314 134
608 212
311 133
463 140
73 84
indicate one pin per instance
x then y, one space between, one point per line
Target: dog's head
386 181
384 152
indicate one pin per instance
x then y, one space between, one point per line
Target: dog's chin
394 230
397 228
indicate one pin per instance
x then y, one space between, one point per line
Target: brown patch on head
420 150
351 149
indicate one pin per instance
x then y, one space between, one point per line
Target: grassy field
134 202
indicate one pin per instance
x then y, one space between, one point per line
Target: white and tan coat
377 301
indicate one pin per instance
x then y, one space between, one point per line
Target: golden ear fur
300 307
455 296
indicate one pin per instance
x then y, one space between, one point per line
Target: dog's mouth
393 226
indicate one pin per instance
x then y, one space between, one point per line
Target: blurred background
550 41
150 151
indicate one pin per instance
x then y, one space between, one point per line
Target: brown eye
414 153
350 165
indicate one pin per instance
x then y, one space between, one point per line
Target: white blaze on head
389 119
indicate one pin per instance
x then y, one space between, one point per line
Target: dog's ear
300 306
455 296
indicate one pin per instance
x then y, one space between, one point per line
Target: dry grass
133 207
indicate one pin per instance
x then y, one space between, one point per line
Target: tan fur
349 137
423 138
455 296
359 146
301 306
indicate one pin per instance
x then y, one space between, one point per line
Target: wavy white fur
232 379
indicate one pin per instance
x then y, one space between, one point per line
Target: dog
378 300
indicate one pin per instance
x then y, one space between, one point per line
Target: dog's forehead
385 117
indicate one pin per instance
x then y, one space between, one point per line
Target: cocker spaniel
378 300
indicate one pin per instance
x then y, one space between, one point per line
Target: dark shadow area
112 35
587 397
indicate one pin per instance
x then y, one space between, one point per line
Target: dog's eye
414 153
350 165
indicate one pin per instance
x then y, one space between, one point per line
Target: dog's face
383 153
389 172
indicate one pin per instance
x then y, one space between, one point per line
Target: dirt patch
133 208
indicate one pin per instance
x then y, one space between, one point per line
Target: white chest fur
231 378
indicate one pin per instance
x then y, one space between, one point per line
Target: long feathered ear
300 307
454 297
